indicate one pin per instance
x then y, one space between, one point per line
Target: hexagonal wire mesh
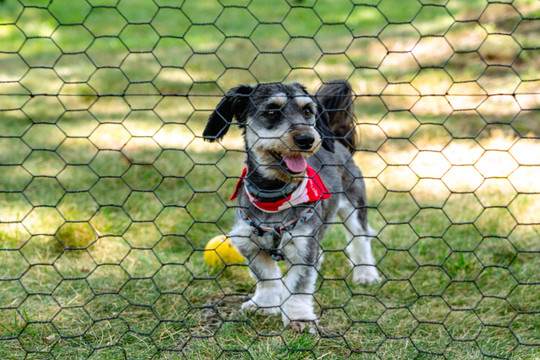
108 193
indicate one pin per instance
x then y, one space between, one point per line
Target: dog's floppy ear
233 104
337 100
323 128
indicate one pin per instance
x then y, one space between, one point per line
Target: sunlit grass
109 193
452 224
107 257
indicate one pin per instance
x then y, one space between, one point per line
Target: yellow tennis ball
220 251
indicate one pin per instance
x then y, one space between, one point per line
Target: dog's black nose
304 141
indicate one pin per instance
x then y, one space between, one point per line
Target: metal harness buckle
275 233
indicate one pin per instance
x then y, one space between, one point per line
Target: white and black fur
279 120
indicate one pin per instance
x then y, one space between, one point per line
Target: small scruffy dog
297 179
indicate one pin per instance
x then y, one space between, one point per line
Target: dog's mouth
294 163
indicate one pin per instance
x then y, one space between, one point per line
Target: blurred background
108 193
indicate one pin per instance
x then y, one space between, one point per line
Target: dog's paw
298 314
366 275
303 326
251 307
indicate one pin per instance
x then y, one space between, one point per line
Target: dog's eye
272 114
307 112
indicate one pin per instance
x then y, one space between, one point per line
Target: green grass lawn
108 194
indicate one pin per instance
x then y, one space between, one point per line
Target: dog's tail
337 100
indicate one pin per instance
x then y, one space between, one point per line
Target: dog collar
269 195
310 189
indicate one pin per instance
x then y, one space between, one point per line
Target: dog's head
283 126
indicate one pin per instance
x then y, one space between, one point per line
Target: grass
109 195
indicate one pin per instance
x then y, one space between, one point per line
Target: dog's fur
276 119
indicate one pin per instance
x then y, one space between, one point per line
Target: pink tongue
296 163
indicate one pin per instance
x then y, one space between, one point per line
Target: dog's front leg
269 288
298 314
265 271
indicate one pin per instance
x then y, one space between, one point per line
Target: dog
299 175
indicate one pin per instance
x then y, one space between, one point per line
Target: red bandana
310 189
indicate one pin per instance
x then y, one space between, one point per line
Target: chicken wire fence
109 194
